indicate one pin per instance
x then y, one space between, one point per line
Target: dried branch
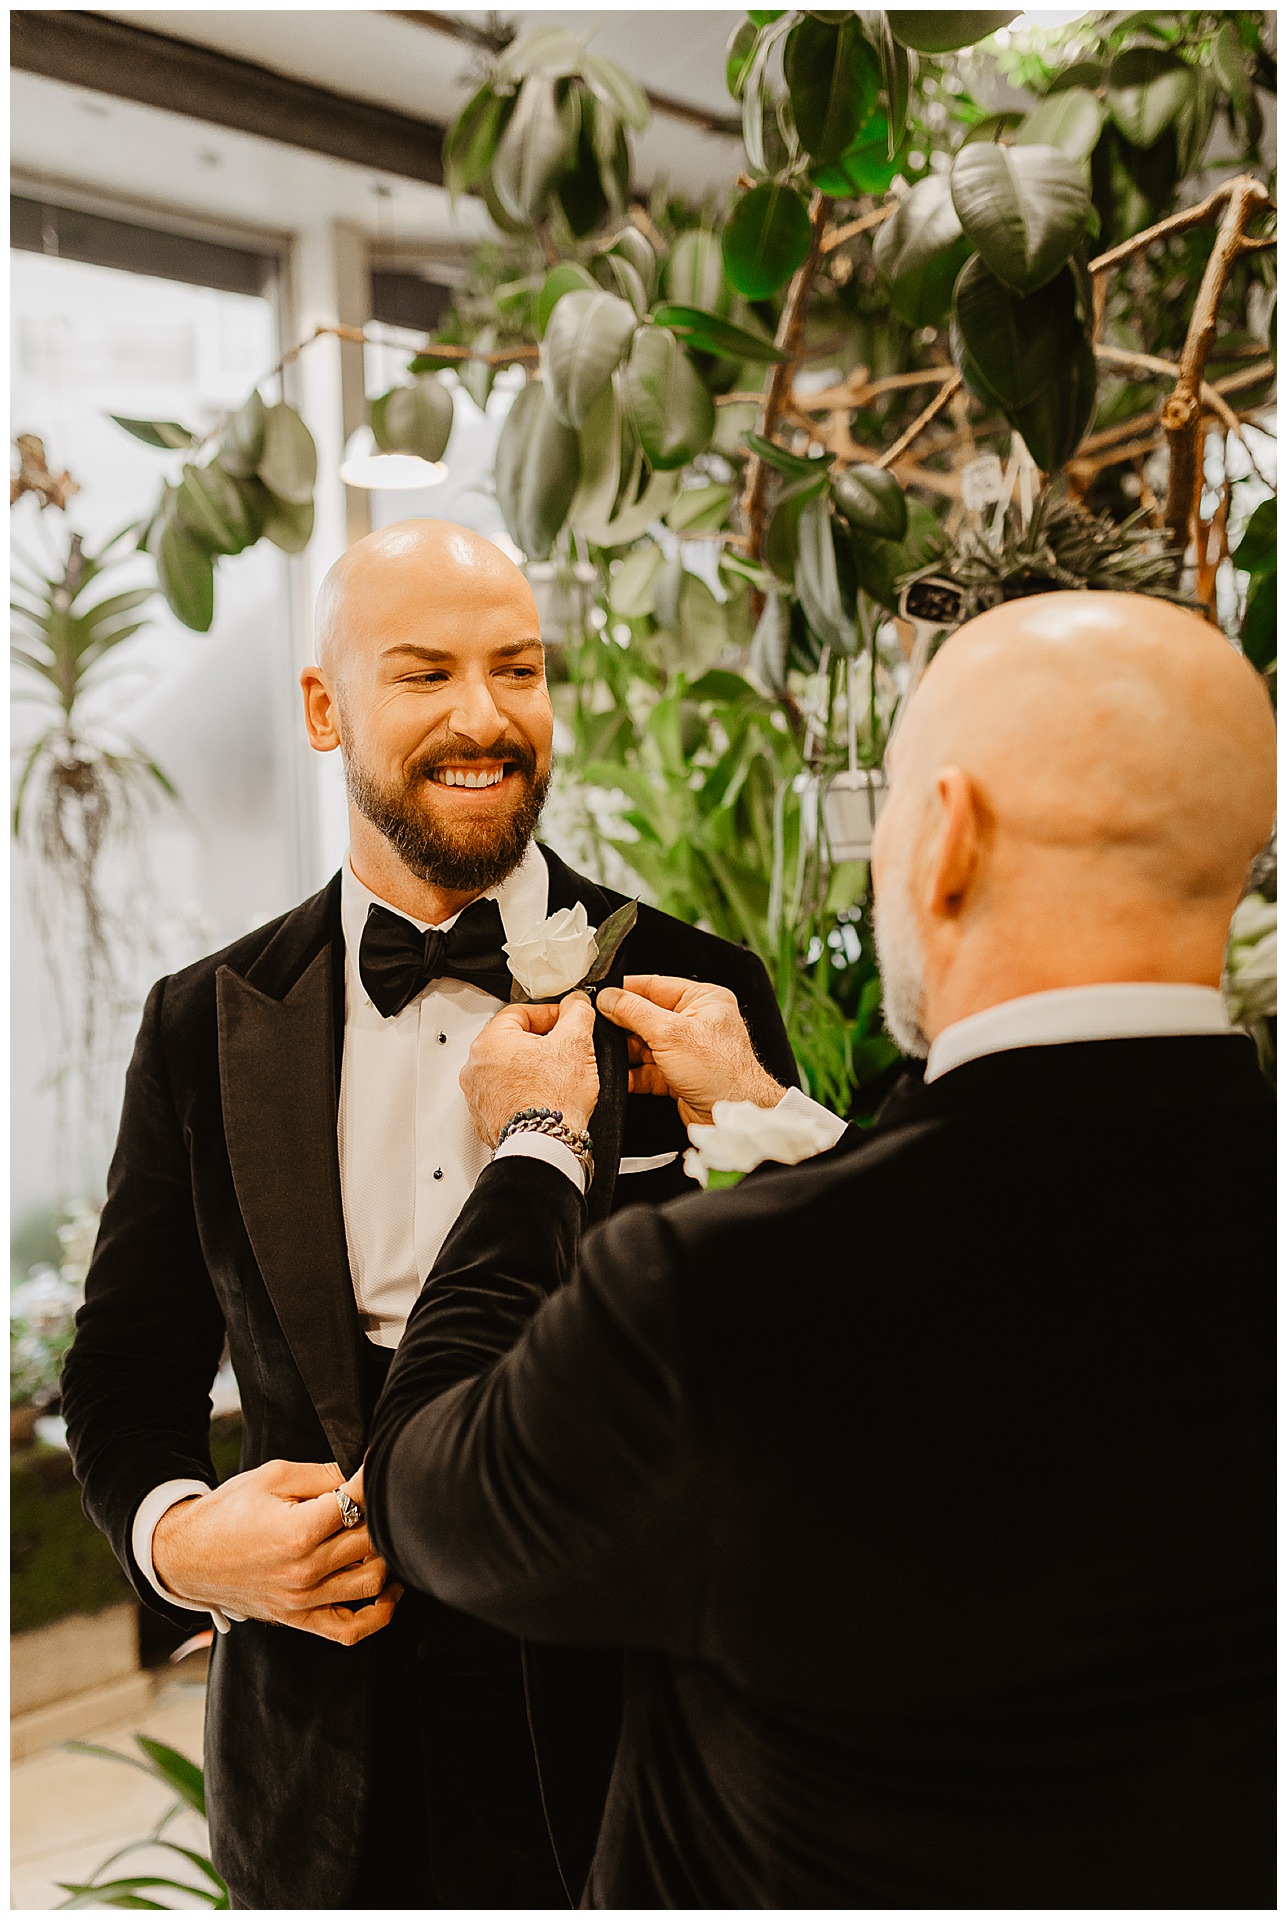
921 421
838 235
1182 412
1196 216
790 336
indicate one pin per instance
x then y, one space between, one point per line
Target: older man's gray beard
902 970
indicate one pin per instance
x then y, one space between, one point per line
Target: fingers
347 1626
648 1079
635 1012
666 990
300 1479
317 1519
363 1582
574 1017
540 1017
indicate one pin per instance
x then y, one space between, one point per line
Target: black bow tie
397 961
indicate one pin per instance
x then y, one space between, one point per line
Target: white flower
743 1135
1251 963
556 956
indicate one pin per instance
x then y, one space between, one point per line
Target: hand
533 1056
688 1040
270 1545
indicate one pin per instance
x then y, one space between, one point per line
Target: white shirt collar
1118 1011
523 898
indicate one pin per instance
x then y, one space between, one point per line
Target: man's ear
955 857
321 715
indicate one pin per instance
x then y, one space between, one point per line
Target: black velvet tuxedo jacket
930 1482
223 1219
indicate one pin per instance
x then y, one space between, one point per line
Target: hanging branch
922 420
790 336
1182 412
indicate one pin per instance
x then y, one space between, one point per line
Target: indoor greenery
134 1890
989 308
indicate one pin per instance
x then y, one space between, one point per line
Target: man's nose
476 715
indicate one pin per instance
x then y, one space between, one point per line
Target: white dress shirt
1126 1010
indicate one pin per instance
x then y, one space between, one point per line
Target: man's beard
902 968
473 855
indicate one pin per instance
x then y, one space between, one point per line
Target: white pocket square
646 1162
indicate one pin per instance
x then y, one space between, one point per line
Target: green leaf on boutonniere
718 1179
609 937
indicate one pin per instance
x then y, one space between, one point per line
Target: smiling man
294 1149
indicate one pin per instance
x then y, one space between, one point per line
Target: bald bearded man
294 1148
930 1482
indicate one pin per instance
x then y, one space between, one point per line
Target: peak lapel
277 1063
608 1121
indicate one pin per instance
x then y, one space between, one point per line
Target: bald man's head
430 678
1080 783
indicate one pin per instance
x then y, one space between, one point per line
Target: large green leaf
771 643
288 526
1230 64
537 148
157 433
833 78
215 510
288 463
707 333
584 187
782 540
872 501
1257 551
619 275
1023 208
782 461
673 413
880 564
694 276
587 337
415 419
633 249
920 250
567 277
536 470
599 454
472 140
551 51
702 509
1147 87
896 69
241 444
766 239
943 32
817 581
185 571
1260 622
866 167
617 90
737 56
1028 355
1072 121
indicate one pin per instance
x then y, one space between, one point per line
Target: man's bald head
430 679
421 564
1109 759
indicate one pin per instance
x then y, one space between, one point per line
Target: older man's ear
958 846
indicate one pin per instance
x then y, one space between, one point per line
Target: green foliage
171 1769
414 419
1257 555
766 239
1006 345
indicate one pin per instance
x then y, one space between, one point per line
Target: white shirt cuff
159 1501
794 1101
539 1146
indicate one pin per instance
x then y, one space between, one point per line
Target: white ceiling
138 153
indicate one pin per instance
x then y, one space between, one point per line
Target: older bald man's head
1077 790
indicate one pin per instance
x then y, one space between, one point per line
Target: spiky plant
1062 547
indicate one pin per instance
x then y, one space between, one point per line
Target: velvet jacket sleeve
535 1457
136 1383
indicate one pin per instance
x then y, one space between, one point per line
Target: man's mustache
455 753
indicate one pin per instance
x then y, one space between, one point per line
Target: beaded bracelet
549 1121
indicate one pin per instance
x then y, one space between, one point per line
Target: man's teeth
456 777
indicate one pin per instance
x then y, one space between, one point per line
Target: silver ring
351 1513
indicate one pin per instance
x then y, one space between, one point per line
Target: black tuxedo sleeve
534 1458
764 1023
136 1383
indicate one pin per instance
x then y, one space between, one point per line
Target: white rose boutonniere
566 952
744 1135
